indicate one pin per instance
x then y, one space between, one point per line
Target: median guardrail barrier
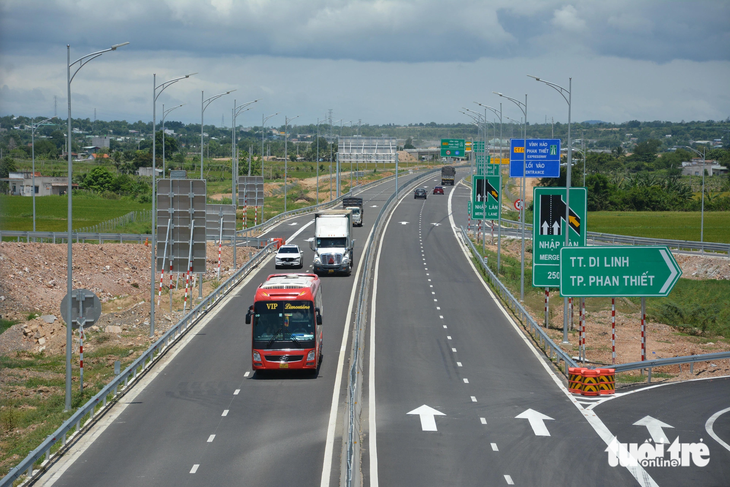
551 349
629 240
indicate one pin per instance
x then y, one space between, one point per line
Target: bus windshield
283 324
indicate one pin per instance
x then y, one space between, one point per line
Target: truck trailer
448 173
355 206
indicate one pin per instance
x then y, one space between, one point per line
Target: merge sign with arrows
485 197
549 228
617 271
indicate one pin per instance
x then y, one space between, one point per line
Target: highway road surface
454 392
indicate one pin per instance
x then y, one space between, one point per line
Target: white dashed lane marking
195 468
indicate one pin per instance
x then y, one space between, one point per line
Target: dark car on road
420 193
438 190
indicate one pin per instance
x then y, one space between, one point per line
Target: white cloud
567 18
382 60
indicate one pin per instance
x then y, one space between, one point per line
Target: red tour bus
287 322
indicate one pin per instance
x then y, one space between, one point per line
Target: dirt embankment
33 283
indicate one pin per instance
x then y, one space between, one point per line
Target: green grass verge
695 307
16 212
33 405
676 225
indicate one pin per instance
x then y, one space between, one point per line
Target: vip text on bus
287 322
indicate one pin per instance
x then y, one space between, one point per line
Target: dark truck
355 206
448 174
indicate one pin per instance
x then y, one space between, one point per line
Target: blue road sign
542 161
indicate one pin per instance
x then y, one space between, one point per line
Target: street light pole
263 121
164 114
702 212
82 61
523 108
204 103
156 92
286 161
33 127
569 170
499 223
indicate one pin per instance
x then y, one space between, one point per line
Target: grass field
676 225
16 212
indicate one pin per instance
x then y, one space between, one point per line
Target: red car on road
438 190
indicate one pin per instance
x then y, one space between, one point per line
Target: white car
289 256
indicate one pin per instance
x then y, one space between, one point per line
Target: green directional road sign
453 148
549 227
617 271
485 167
485 201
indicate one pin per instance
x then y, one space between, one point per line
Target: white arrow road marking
403 223
537 421
709 427
428 417
672 267
655 428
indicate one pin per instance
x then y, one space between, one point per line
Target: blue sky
379 61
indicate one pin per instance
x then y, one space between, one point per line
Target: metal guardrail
548 345
660 362
629 240
647 364
356 372
101 401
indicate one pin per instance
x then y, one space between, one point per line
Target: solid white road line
637 471
711 423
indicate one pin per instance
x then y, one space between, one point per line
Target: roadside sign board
453 148
485 197
549 228
617 271
542 159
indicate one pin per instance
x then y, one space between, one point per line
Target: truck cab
332 243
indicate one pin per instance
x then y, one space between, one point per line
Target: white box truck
355 206
333 242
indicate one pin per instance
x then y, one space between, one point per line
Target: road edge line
637 471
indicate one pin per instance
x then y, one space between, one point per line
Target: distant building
695 168
147 171
102 142
21 184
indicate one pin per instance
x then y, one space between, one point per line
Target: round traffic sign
448 152
85 307
518 204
